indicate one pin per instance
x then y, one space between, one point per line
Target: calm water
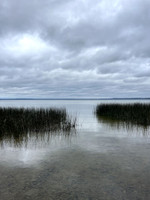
101 160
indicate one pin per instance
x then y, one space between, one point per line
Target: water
100 160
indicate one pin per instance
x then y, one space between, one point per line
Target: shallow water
101 160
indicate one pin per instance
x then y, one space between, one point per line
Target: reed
19 121
137 113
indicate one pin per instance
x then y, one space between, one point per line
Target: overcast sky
74 48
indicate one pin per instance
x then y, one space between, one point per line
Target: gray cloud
64 48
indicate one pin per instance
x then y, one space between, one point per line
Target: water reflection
130 128
36 139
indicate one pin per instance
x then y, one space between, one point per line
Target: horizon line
111 98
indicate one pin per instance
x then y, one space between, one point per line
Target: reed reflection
37 140
119 125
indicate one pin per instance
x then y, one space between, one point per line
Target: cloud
64 48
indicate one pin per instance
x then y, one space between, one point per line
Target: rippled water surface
100 160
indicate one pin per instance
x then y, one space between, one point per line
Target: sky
74 48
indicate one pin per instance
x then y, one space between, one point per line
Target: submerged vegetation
137 113
18 122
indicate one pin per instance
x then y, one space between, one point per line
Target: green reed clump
137 113
17 121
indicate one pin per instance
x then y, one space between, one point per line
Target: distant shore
138 98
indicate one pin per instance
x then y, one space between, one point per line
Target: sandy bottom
120 173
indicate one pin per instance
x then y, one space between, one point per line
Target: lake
99 160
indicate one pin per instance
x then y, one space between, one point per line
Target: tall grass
15 122
137 113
